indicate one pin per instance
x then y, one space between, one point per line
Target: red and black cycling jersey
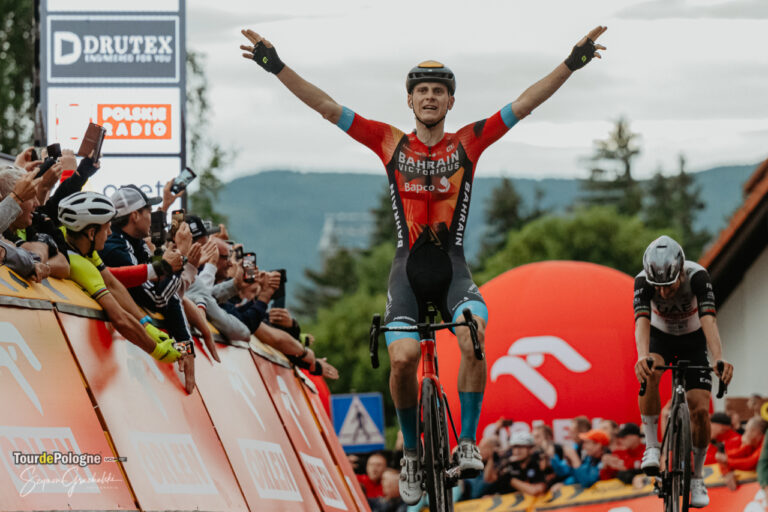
430 186
679 314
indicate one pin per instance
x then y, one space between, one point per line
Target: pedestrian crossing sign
358 419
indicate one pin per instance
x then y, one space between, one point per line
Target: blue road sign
358 419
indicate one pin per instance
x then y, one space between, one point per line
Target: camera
54 151
157 229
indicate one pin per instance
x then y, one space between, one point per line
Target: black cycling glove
267 58
581 55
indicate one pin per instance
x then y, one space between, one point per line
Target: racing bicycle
441 472
673 483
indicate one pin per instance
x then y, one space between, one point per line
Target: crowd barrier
615 496
252 436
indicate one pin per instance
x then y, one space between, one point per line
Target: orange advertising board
174 458
305 436
135 121
316 402
45 409
267 467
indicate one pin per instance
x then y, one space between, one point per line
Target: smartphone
239 254
177 217
183 180
278 298
54 150
157 228
249 266
210 228
34 155
92 141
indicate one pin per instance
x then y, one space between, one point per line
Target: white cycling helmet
663 261
81 209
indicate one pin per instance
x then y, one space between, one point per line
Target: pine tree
383 219
610 180
17 54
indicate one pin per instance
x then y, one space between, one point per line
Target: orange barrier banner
303 431
174 458
46 416
250 429
333 443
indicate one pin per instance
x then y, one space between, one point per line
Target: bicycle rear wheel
679 462
436 449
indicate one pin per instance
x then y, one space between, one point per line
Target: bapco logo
527 354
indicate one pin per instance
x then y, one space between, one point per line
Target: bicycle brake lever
472 324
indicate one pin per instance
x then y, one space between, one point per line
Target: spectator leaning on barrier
520 468
125 246
624 462
594 444
86 216
746 456
722 436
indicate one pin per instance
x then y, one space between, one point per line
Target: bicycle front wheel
436 449
679 461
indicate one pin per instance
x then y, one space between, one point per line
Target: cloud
665 9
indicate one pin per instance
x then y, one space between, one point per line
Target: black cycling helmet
430 71
663 261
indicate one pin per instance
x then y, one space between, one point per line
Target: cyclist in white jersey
675 320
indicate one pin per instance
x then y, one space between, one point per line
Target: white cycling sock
650 428
699 454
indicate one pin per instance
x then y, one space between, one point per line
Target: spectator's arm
126 324
560 467
491 472
122 296
20 261
9 210
280 340
224 290
228 325
197 319
587 474
528 488
133 275
73 184
745 463
59 266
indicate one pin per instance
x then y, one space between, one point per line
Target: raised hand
262 52
586 49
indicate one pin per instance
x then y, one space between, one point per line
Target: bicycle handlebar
722 387
377 329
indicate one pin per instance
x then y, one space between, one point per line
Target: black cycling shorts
429 273
686 347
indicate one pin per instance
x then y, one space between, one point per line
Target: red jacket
371 489
744 457
732 440
631 459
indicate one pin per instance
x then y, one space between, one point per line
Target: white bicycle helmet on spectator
81 209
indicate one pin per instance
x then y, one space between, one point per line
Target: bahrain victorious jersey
430 187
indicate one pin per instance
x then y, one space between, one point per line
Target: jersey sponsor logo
463 213
428 166
443 186
527 354
398 220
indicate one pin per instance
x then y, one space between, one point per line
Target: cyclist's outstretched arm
643 344
539 92
715 346
264 54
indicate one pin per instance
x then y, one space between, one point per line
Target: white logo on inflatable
8 357
526 354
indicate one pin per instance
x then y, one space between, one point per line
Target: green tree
597 234
610 179
205 155
506 212
17 54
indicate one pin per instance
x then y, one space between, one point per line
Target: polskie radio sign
113 48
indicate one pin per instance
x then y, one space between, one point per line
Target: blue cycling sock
407 418
471 402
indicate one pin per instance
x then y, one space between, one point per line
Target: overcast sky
690 75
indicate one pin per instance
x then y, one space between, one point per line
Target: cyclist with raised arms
430 181
675 320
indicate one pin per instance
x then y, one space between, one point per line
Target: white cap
130 198
521 439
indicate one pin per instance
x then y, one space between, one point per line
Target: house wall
743 323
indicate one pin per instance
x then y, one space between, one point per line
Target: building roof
742 240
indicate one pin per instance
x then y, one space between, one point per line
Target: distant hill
280 214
